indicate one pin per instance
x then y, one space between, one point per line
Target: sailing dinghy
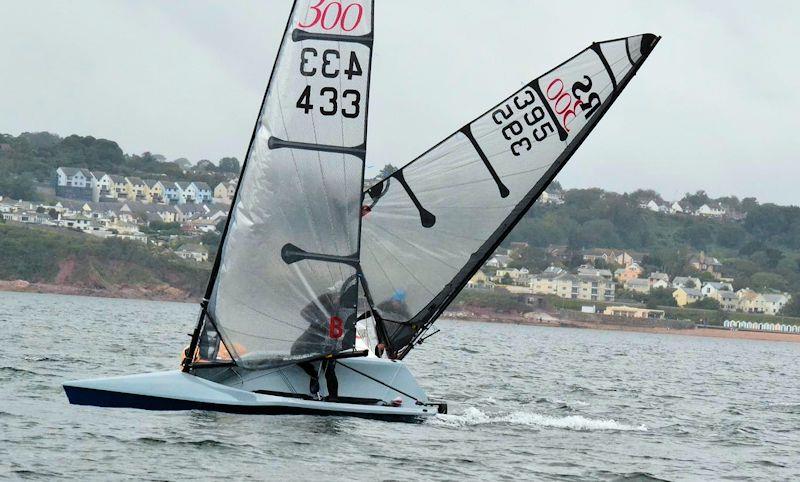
320 288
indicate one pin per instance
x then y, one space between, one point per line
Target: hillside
75 263
32 158
759 249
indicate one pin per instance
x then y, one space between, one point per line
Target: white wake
473 416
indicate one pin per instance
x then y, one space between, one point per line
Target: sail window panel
634 45
617 55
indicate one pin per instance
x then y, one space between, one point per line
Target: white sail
434 222
284 285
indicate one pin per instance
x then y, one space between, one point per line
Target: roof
71 171
150 182
183 184
136 180
717 285
98 174
202 185
637 282
659 275
729 295
118 179
774 298
692 292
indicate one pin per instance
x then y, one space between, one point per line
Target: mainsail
284 286
433 223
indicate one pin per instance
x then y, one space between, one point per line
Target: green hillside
34 157
761 251
62 257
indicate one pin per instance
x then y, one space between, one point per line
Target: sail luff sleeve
478 183
285 287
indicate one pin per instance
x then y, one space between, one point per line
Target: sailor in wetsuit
395 308
318 337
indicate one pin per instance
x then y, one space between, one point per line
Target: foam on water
474 416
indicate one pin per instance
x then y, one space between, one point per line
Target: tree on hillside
41 140
699 235
643 196
204 165
660 297
183 163
17 186
792 308
731 236
229 164
697 199
765 281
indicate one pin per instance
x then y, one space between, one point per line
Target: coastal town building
708 264
82 184
610 256
194 252
633 312
639 285
480 281
686 282
632 271
498 261
566 285
685 296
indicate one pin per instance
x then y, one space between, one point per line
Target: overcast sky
713 108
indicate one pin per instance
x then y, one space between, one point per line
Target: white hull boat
311 259
278 391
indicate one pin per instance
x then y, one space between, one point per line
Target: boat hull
175 390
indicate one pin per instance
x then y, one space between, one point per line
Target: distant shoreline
168 293
154 293
701 332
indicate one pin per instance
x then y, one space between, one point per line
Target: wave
473 416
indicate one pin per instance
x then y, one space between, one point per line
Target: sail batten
526 140
285 284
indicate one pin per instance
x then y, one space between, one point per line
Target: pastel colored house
685 296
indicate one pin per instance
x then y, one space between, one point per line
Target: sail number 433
329 65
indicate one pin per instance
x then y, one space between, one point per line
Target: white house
712 287
102 185
196 252
771 304
676 208
652 205
498 261
713 210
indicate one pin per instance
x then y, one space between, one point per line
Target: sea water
525 403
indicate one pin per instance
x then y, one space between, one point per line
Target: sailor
316 314
395 308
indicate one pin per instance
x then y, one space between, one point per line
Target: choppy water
526 403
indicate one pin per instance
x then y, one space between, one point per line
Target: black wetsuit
318 330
